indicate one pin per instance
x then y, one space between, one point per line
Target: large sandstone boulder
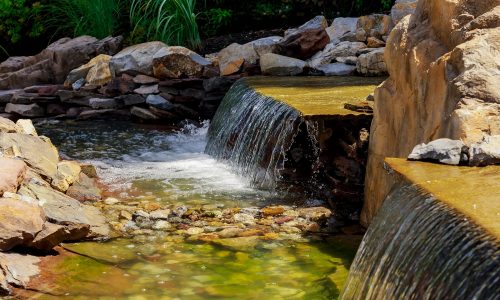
53 64
37 152
136 59
177 62
266 45
443 63
278 65
12 172
20 221
305 41
341 27
372 63
401 9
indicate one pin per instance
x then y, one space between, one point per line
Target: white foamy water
165 163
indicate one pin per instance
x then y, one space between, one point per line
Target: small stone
159 102
147 89
26 127
272 210
194 231
315 213
143 113
162 225
161 214
244 219
229 232
125 215
111 201
144 79
486 152
103 103
179 211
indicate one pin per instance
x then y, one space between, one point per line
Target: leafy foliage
19 18
170 21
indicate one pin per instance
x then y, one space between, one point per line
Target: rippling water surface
141 163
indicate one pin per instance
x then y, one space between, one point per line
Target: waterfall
253 132
420 248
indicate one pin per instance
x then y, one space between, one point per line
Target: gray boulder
332 51
337 69
445 151
26 110
159 102
278 65
486 152
341 27
372 63
136 59
177 62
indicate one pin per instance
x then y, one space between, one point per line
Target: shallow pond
143 163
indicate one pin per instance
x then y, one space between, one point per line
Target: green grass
169 21
98 18
2 50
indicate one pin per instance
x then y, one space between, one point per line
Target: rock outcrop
443 63
53 64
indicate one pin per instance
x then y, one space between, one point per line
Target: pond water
139 163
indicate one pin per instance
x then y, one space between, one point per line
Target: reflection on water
150 164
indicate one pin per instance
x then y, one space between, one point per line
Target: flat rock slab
19 268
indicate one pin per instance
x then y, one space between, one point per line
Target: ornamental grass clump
170 21
97 18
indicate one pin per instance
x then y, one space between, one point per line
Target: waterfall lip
317 97
472 191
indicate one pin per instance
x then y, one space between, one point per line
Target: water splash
170 164
419 248
252 133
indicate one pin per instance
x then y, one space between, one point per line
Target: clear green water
146 164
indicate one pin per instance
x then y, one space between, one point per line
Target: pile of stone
43 201
220 225
89 78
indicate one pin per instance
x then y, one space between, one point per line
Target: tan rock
376 25
273 210
37 152
67 173
177 62
12 173
373 42
443 83
136 59
84 188
8 126
99 73
20 222
232 57
372 63
26 127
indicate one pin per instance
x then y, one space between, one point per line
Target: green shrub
215 19
19 18
169 21
97 18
